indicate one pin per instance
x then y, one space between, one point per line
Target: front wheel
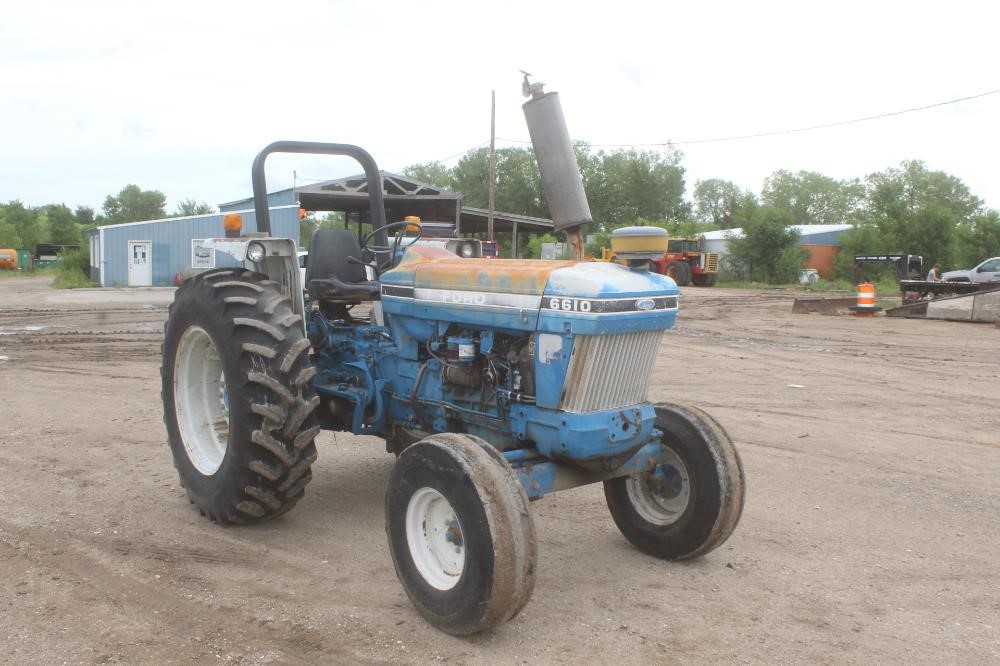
690 504
460 533
680 271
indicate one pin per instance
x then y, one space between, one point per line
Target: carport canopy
406 196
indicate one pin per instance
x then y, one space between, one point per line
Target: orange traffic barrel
866 301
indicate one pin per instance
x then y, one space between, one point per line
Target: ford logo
645 304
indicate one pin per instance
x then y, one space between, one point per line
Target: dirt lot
870 532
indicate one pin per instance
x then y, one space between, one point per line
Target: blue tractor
494 383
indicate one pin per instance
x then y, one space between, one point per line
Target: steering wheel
401 229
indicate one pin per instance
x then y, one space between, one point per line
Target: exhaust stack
561 179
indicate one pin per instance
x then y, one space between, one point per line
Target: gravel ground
870 531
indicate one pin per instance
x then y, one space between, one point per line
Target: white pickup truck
987 271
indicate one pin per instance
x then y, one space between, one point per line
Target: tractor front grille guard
610 371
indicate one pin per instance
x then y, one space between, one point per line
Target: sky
179 96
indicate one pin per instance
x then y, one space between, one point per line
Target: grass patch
73 270
71 280
883 288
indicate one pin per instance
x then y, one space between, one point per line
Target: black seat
331 275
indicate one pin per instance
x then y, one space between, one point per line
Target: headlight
468 250
256 252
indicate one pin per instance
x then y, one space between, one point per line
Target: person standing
935 274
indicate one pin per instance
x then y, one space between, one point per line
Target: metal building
822 241
153 252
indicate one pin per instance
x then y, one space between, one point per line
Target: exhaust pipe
561 179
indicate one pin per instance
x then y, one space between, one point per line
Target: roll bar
376 203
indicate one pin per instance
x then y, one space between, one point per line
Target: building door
140 263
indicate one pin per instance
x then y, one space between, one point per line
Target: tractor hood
589 298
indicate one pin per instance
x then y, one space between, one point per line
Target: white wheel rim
661 496
434 538
201 400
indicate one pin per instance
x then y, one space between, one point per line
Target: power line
810 128
467 150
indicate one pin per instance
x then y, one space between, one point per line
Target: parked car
988 271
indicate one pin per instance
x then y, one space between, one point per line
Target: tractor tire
680 271
704 280
691 505
237 395
460 533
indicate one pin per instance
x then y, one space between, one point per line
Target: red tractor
682 259
687 262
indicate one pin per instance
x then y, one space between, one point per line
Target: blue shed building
153 252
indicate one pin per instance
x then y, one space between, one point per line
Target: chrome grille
609 371
712 262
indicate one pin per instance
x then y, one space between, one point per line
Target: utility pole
493 162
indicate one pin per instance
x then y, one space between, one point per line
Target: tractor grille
609 371
712 262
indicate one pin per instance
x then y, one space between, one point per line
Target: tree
716 200
25 222
978 240
769 249
519 185
626 185
432 173
62 226
133 204
813 198
622 186
8 233
919 210
84 216
862 239
189 207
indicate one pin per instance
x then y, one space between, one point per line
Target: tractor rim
202 400
434 538
662 494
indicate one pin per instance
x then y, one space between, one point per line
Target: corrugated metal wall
821 257
171 242
274 199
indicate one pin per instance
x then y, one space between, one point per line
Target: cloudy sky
179 96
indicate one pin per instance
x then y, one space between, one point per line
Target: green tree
62 225
133 204
84 216
862 239
626 185
919 211
189 207
716 201
769 250
813 198
519 186
432 173
978 240
8 233
25 222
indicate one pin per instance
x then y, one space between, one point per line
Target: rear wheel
689 505
237 396
460 533
680 271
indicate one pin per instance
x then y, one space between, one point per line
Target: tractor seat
330 273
